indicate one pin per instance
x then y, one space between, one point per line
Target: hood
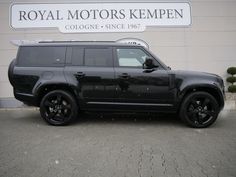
198 77
193 74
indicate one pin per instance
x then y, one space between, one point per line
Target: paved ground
115 146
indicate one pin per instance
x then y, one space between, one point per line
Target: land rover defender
65 78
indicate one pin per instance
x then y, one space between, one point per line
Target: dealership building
195 35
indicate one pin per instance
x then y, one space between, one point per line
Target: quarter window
42 56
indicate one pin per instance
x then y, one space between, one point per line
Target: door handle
124 75
79 75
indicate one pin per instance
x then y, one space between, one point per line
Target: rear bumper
28 99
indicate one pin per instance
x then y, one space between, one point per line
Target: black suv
66 78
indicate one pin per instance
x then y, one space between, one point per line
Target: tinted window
42 56
77 56
98 57
130 57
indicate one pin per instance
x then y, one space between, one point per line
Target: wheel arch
211 89
44 89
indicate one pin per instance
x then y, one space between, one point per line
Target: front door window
131 57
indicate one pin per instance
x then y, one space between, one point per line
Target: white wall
209 44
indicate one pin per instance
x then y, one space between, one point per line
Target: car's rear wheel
58 107
199 110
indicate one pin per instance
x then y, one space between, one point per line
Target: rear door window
42 56
77 56
98 57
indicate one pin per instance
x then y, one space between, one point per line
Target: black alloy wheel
58 108
199 110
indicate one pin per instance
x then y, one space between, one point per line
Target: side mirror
149 64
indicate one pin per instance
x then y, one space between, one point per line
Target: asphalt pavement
115 146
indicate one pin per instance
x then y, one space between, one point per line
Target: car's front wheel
58 107
199 109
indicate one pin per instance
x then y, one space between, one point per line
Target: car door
90 70
137 87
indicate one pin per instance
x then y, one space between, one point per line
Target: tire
58 108
199 110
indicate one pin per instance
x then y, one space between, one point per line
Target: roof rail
21 42
66 41
131 41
